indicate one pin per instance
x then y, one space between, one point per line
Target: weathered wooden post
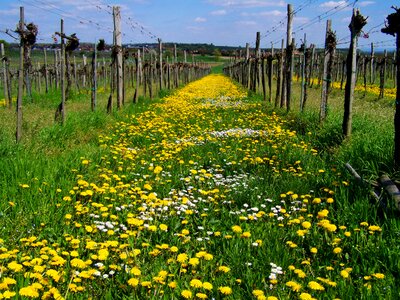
330 46
94 79
161 63
289 56
270 60
62 73
303 72
21 25
372 61
5 77
46 72
382 75
118 49
393 28
358 21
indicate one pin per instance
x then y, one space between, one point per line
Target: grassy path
205 196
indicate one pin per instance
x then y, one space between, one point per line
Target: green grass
118 157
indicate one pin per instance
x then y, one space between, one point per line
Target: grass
206 193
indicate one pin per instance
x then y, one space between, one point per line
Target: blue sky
221 22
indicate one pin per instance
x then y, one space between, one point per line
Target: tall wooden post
326 77
62 61
21 25
271 72
303 72
94 79
46 72
57 68
289 56
5 76
356 25
255 78
161 63
372 61
118 47
248 65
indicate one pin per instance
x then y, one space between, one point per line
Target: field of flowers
205 196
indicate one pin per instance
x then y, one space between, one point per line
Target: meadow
205 193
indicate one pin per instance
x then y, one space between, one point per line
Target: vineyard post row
309 66
141 71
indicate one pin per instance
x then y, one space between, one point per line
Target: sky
220 22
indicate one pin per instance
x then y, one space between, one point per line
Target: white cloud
365 3
246 23
200 20
273 13
10 12
220 12
247 3
301 20
332 4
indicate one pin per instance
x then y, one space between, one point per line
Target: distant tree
217 54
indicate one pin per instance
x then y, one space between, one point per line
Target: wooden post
75 74
5 78
138 63
382 73
289 56
161 63
256 61
39 79
303 72
356 25
56 67
271 71
118 45
248 65
372 61
62 60
46 72
84 70
94 79
21 25
327 71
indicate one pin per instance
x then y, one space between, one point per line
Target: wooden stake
118 45
46 72
5 76
327 76
62 73
94 79
21 25
161 63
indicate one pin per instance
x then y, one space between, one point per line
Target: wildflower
379 275
225 290
183 257
306 224
237 229
157 170
313 250
296 287
163 227
201 296
186 294
305 296
344 274
8 294
315 286
196 283
224 269
194 261
172 284
337 250
29 292
133 282
207 286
